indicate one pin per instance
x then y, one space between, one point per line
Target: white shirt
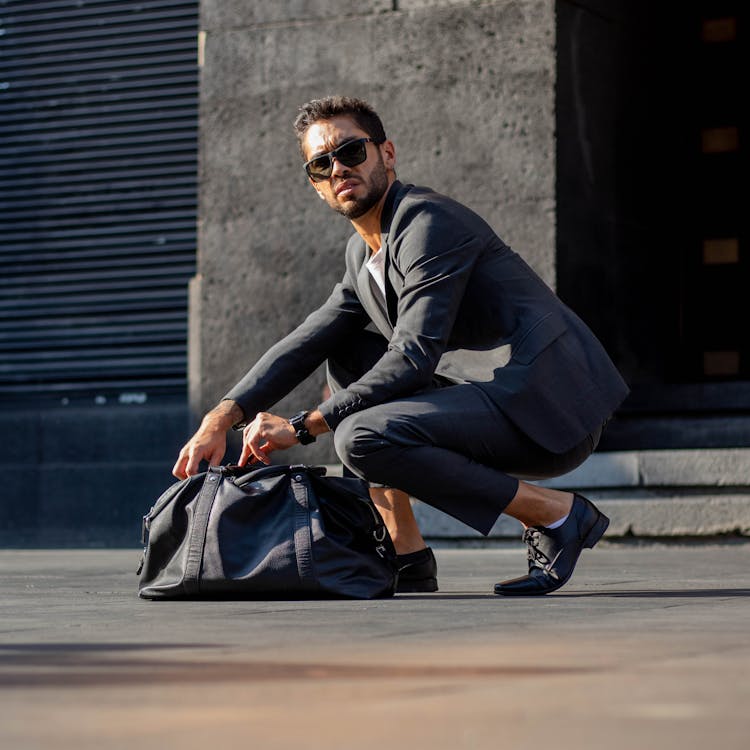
376 266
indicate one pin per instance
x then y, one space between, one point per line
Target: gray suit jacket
460 304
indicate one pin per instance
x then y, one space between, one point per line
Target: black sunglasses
349 154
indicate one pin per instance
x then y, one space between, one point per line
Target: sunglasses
349 154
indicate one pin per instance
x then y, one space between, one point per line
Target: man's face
351 191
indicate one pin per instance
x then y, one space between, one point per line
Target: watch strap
300 431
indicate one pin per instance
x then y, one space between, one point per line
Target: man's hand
210 441
265 434
268 433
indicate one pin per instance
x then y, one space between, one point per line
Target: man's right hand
209 442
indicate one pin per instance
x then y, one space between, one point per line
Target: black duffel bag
270 532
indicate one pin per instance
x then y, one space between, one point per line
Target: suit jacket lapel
370 303
391 293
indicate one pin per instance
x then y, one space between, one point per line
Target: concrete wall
85 475
466 92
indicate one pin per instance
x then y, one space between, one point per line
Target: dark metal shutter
98 162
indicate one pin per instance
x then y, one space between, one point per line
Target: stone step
645 515
656 493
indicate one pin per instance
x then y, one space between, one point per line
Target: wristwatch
302 433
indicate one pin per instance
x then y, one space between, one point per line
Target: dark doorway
651 229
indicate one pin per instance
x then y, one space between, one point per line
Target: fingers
186 465
195 451
245 455
215 458
252 449
255 445
248 455
260 453
179 468
193 463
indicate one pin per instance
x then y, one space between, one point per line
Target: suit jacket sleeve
286 364
435 253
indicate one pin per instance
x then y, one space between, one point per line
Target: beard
356 207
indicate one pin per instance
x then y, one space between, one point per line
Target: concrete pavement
648 646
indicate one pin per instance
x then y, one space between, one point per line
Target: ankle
406 544
539 506
556 509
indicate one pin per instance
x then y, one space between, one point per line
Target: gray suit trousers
449 445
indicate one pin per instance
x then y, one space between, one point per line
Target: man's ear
388 152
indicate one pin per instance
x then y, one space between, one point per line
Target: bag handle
245 474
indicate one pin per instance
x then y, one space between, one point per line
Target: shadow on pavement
60 665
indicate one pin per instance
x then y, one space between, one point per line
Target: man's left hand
265 434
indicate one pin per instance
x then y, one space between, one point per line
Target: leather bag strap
201 513
302 531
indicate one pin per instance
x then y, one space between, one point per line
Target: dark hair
335 106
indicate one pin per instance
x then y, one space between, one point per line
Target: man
478 375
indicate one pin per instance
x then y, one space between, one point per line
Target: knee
357 441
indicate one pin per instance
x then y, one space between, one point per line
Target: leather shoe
553 553
417 572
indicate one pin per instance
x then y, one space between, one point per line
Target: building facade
602 140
